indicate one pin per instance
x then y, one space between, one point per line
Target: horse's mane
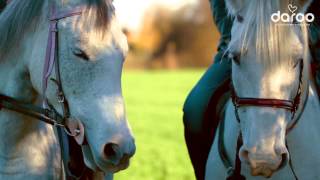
271 40
21 15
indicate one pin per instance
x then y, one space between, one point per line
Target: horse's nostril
284 160
111 151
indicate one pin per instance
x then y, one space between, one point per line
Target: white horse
92 49
267 61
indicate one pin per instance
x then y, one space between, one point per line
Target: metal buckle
53 115
54 27
77 131
60 97
59 94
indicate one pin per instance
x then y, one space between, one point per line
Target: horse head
269 69
91 49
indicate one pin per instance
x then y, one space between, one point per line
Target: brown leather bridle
290 105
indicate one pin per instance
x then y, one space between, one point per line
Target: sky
130 12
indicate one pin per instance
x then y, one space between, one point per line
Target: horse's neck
27 146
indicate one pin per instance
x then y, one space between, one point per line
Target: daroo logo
297 18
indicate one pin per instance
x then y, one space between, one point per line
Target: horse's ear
234 6
303 5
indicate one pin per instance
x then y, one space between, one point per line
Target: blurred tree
182 38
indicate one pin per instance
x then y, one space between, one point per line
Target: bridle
291 105
47 112
234 173
52 61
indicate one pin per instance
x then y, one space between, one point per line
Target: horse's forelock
15 20
270 40
19 16
102 12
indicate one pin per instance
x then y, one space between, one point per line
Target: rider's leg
197 134
2 4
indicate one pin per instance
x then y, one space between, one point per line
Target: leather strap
52 60
274 103
222 150
63 14
49 116
237 172
51 57
232 173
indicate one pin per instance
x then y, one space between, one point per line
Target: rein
47 115
234 173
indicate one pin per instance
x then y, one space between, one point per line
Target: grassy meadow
154 101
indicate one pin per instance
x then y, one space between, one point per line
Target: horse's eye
235 57
239 18
81 54
297 63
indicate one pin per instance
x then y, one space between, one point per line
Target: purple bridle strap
52 46
67 126
63 14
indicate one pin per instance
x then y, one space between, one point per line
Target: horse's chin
88 158
262 171
91 163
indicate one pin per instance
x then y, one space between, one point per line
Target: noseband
290 105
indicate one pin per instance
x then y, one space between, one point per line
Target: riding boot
198 147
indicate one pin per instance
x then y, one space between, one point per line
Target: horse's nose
117 154
274 159
112 152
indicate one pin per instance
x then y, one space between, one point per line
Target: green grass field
154 101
